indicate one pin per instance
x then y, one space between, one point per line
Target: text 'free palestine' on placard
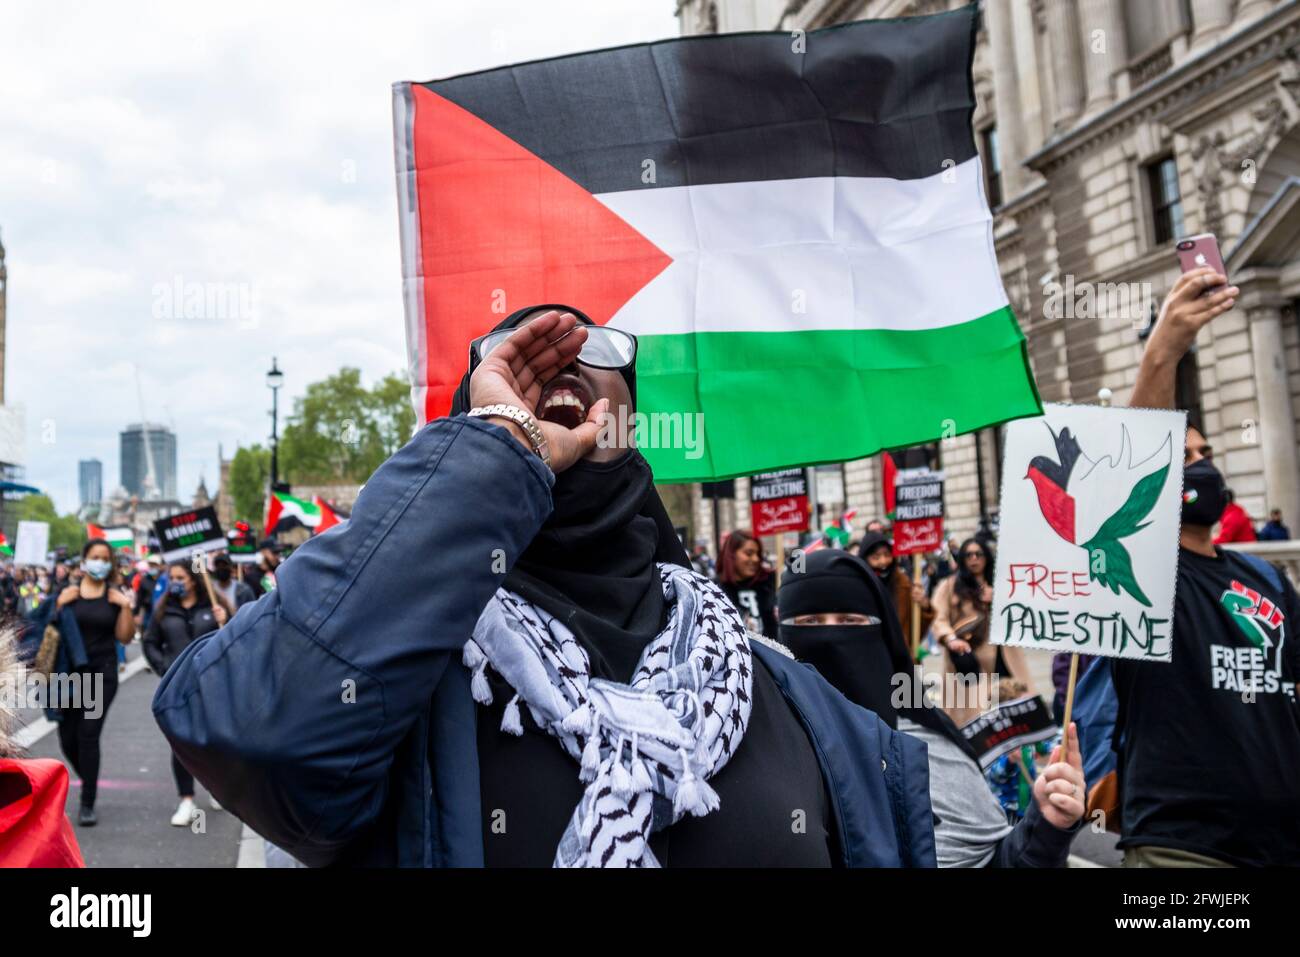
1088 550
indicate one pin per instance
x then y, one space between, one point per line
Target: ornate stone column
1006 97
1277 431
1105 49
1067 70
1209 18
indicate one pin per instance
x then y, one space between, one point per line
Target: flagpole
1103 399
201 562
916 609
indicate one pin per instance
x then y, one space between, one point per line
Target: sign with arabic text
778 502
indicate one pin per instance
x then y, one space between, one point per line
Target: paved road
137 794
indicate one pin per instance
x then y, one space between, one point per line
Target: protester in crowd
568 595
701 561
102 616
34 830
10 597
235 592
183 614
945 564
1234 523
878 552
746 578
1274 530
876 526
146 588
838 616
260 576
1209 771
963 603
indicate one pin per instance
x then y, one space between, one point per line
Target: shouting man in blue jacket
504 658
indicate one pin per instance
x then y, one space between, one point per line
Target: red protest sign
918 511
778 502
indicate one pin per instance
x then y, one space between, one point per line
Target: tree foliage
65 530
338 432
250 471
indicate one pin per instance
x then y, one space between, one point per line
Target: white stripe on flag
851 253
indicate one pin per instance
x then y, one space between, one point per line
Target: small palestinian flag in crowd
118 537
6 549
284 512
794 226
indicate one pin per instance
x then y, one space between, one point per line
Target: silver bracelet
521 418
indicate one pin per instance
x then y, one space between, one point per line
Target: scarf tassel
511 722
479 687
579 720
619 778
591 756
694 795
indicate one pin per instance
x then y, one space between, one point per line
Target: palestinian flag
284 512
117 538
794 226
6 549
328 517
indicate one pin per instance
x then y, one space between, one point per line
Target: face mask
1204 493
853 658
98 569
177 589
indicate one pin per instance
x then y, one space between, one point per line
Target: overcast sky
243 146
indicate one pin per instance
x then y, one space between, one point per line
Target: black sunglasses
605 348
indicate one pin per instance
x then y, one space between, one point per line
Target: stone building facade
1108 129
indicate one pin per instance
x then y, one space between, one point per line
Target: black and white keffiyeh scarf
646 749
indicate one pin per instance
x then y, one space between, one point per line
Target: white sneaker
184 813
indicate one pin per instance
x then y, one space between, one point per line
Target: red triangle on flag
328 517
501 229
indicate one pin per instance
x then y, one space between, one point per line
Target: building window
992 166
1166 200
1187 389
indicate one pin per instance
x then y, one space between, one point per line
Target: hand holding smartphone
1197 252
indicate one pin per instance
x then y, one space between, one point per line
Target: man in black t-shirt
1209 764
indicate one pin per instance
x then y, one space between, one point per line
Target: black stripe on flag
886 98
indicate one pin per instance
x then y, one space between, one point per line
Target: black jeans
184 780
79 732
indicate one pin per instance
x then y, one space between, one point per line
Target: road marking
29 734
252 849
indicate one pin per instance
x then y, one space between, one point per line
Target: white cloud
246 144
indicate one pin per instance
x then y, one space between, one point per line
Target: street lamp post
275 379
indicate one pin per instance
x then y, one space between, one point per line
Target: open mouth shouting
565 401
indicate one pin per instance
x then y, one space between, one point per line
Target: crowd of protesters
84 611
688 728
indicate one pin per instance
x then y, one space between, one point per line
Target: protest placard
918 511
31 543
779 502
186 533
1011 725
1088 552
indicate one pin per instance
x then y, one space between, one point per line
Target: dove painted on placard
1080 499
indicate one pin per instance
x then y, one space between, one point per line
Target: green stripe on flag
777 399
